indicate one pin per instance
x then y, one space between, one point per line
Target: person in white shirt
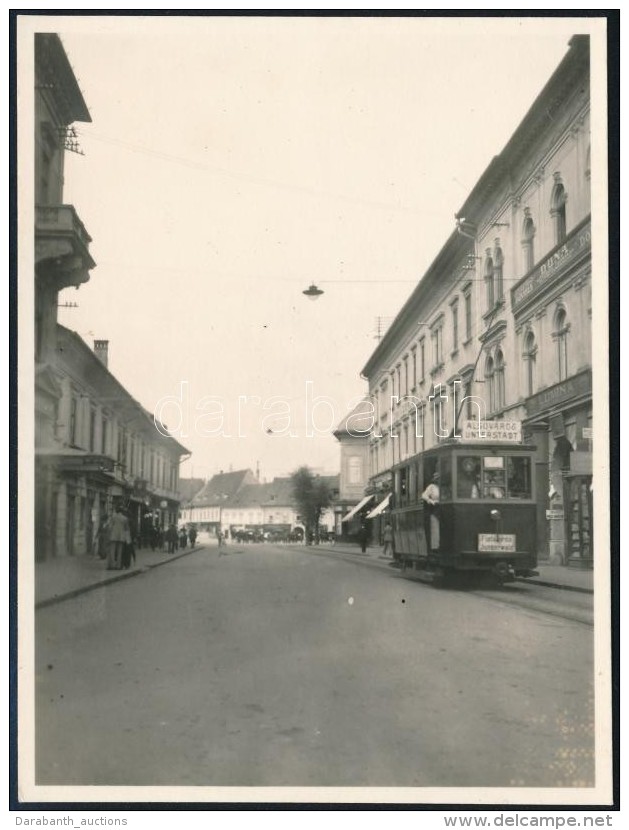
430 496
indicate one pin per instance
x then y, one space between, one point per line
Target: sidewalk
554 576
67 576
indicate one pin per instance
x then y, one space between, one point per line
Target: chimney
101 350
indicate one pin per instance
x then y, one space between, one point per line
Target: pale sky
233 161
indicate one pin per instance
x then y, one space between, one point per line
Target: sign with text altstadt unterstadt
507 430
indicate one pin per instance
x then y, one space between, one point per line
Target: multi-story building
94 444
352 433
62 258
503 317
106 449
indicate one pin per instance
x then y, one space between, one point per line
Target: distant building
206 507
238 501
353 434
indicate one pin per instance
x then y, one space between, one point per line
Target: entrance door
578 507
70 516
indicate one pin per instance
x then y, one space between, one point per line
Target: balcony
62 246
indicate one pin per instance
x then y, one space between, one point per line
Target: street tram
483 518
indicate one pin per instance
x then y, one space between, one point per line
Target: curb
557 585
84 589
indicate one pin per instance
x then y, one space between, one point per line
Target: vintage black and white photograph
313 382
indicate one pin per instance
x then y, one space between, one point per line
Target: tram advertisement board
508 430
496 542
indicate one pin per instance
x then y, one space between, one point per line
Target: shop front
559 423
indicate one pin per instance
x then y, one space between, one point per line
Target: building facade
499 327
106 450
95 445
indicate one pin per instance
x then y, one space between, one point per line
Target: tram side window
468 484
403 489
494 481
519 478
412 484
445 480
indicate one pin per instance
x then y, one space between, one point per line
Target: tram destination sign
508 430
496 542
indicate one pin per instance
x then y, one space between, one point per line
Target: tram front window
519 478
494 481
468 477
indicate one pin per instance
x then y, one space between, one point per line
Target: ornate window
528 236
558 201
498 262
529 355
468 313
489 382
488 274
499 380
560 335
455 324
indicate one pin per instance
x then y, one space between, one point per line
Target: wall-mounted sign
496 542
555 264
554 514
509 431
587 432
566 390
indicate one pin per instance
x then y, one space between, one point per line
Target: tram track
530 596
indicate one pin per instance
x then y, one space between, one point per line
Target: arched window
499 380
498 262
528 235
489 279
560 335
558 201
529 355
489 382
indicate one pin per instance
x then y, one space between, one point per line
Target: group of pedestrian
114 541
180 538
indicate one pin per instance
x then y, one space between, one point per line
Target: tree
312 495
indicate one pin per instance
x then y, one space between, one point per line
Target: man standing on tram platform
430 497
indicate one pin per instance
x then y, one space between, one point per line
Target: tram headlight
495 515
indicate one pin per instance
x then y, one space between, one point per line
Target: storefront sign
496 542
556 263
554 514
509 431
560 393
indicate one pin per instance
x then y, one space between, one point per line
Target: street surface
276 666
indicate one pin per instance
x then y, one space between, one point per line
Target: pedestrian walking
219 539
101 542
119 536
363 537
387 540
183 537
171 538
192 536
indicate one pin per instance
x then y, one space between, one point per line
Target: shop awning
379 508
355 509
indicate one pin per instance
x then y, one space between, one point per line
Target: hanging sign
508 431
